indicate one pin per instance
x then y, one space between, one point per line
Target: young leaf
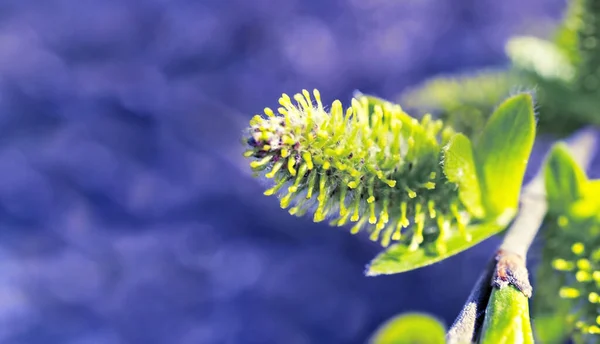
563 177
413 328
507 318
398 258
459 168
502 152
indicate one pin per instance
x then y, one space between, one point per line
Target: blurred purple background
127 214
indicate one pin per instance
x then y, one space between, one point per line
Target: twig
509 265
470 318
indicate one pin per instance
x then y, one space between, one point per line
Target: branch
509 265
470 318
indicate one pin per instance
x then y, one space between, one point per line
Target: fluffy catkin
371 165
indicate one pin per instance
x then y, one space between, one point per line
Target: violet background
127 214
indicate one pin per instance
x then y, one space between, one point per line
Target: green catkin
372 166
578 264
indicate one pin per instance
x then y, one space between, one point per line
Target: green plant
431 185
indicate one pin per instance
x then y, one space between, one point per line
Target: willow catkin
370 165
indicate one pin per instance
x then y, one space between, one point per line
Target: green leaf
459 168
502 152
564 179
398 258
507 318
410 328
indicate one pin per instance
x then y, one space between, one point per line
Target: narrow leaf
565 180
459 168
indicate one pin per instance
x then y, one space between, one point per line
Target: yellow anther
285 201
358 226
275 169
298 97
578 248
291 166
584 264
317 95
562 265
261 162
569 293
308 159
285 100
403 215
372 217
583 276
269 112
319 215
306 96
563 221
375 233
275 188
256 120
